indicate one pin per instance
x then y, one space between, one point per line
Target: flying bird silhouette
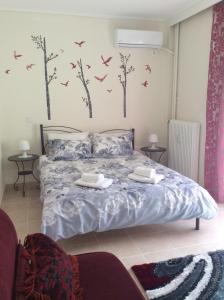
145 83
101 79
65 84
88 66
148 68
7 71
80 43
106 61
109 91
73 65
16 56
29 67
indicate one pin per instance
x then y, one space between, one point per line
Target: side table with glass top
22 171
150 151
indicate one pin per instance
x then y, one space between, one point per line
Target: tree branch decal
41 44
123 78
85 83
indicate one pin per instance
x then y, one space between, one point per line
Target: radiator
183 149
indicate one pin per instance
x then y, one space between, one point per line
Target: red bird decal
106 61
7 71
65 84
109 91
16 56
80 43
73 65
145 83
29 67
101 79
88 66
148 68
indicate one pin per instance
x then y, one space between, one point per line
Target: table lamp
24 146
153 140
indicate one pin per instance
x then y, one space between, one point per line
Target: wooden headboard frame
66 129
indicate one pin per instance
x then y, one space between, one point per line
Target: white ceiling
142 9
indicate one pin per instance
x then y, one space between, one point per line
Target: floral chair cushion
69 149
107 145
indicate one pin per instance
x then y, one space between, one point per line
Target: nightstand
149 152
22 171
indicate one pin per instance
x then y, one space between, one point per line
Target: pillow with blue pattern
108 145
59 149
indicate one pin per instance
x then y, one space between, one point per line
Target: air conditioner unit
138 38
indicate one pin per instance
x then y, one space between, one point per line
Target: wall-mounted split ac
138 38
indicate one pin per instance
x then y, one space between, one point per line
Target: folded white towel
92 178
145 172
156 179
105 183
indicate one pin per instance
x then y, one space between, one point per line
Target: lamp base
153 146
25 155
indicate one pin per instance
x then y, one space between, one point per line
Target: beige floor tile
133 260
34 214
150 242
111 234
163 255
80 244
18 216
212 246
34 226
122 246
34 202
14 205
80 239
83 248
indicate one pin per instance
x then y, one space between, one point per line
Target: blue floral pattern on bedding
69 209
69 149
106 145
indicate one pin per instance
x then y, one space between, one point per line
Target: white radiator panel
183 151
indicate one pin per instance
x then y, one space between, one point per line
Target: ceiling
142 9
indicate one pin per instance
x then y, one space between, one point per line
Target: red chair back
8 249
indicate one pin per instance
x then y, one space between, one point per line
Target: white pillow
67 136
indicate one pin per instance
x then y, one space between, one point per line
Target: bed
69 210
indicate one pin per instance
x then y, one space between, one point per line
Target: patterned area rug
191 277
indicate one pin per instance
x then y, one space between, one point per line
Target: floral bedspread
69 209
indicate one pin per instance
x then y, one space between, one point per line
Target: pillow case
50 272
107 145
59 149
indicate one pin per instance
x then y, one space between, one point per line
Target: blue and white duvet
69 210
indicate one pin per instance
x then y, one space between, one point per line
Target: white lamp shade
153 138
24 145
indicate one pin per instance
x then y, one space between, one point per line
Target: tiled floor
137 245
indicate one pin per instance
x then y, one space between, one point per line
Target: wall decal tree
123 78
41 44
85 83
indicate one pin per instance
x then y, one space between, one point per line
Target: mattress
70 210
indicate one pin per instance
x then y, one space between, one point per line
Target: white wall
195 37
23 92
